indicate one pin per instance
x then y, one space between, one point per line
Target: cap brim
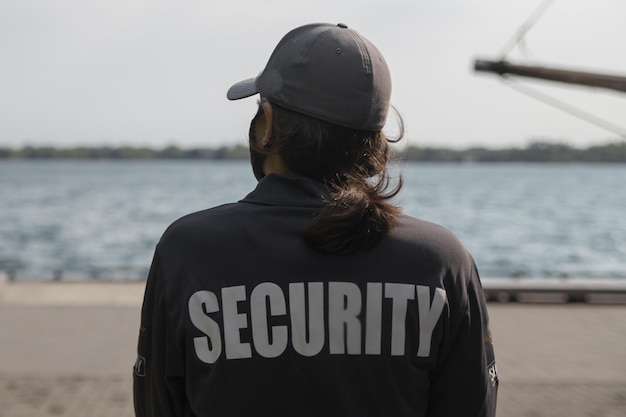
242 89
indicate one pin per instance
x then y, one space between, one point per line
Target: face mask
257 159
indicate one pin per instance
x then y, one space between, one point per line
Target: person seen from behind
314 295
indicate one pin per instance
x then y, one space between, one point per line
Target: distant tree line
124 152
534 152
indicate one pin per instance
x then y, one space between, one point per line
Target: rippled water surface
83 219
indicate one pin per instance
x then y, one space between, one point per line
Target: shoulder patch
493 374
140 366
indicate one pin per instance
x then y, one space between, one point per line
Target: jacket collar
282 190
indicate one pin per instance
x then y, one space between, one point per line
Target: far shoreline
535 152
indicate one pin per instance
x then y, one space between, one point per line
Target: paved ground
67 350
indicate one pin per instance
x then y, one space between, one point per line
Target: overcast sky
155 72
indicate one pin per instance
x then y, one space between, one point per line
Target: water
101 220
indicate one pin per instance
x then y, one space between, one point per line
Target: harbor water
102 219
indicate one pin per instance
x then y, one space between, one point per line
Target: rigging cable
521 32
604 124
516 40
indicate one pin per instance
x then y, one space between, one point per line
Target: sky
155 72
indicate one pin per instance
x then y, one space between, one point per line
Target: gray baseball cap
326 71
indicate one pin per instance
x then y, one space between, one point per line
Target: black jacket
242 318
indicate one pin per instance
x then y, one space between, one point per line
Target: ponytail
357 215
358 212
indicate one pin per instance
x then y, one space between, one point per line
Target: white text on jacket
315 318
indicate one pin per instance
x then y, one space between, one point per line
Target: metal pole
502 68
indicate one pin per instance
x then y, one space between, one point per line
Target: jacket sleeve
157 392
465 381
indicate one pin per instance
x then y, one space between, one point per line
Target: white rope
521 32
588 117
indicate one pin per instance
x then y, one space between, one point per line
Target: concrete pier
567 290
68 350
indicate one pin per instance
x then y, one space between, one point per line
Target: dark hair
353 163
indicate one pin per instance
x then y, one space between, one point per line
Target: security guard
314 295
